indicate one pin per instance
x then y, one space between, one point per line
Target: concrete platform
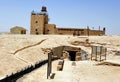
65 75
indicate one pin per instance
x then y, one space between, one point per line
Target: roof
18 27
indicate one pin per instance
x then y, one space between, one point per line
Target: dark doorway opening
37 33
72 55
23 32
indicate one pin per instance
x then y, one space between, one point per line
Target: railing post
49 67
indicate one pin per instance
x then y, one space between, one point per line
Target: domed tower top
44 9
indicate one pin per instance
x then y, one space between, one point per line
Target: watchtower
38 21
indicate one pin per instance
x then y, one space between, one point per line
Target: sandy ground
84 71
12 62
87 71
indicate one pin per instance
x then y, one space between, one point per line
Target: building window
36 29
48 30
37 33
36 21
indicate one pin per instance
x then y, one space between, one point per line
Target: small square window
48 30
36 29
36 21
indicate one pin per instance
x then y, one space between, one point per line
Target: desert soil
20 51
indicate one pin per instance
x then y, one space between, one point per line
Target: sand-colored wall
58 51
96 32
17 30
81 32
71 31
37 24
50 29
65 31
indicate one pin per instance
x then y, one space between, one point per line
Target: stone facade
50 29
39 25
39 21
68 52
18 30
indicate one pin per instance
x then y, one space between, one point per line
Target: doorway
72 55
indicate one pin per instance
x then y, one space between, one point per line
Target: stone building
39 25
18 30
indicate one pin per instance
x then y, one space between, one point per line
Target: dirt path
29 46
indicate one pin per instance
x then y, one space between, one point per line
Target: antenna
99 27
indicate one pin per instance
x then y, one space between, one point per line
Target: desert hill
20 51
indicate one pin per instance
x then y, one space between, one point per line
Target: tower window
36 21
36 29
37 33
48 30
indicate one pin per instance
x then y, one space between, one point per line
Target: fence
14 76
98 53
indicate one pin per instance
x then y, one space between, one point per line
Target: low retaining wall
17 75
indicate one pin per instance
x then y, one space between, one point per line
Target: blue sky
63 13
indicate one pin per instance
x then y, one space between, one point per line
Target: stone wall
79 32
37 24
17 30
64 52
50 29
71 31
58 51
96 32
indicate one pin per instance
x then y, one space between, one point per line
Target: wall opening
72 55
37 33
36 21
36 29
23 32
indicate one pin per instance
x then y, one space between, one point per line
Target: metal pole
92 53
100 53
49 64
105 53
96 54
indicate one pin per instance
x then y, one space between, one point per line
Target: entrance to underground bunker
72 55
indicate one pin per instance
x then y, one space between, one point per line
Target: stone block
78 58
